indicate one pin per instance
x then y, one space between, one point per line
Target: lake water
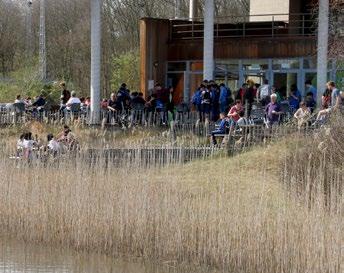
20 257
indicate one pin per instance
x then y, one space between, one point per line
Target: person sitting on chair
323 114
302 115
242 120
234 112
221 130
73 100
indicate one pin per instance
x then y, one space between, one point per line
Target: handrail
200 19
297 24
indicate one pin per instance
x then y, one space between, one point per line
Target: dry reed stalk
228 213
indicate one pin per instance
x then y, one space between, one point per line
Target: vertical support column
323 30
208 51
241 74
42 45
95 60
192 10
186 94
270 73
301 77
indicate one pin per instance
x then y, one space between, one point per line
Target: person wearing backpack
206 102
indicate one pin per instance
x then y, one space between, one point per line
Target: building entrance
283 81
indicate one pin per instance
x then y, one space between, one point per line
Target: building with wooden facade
280 47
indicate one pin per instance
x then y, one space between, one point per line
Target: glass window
232 65
256 64
285 64
340 78
196 66
310 63
176 66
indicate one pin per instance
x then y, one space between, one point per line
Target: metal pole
29 30
323 30
95 60
208 53
42 45
192 9
187 75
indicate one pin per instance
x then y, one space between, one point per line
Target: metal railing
127 118
262 25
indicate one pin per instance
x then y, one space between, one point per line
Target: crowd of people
209 100
301 108
162 100
64 141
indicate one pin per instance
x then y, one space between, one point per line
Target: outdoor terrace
262 25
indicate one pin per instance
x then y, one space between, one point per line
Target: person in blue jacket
221 129
197 100
224 98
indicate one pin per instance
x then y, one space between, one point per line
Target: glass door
283 81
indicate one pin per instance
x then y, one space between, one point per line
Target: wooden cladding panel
154 34
245 48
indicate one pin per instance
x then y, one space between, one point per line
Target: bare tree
336 43
68 32
12 40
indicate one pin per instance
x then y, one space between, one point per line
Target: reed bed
240 214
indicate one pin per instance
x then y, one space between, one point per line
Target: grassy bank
232 213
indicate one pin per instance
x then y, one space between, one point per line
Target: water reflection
20 257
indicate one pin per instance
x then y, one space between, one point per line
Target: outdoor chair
74 111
